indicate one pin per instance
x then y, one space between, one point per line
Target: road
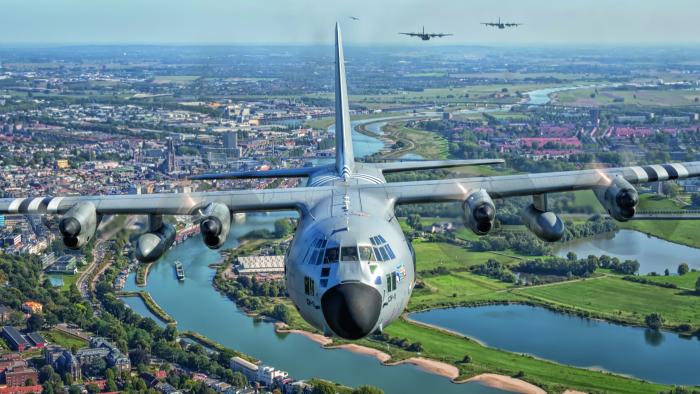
98 254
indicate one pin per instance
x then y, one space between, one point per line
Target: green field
64 339
553 377
686 281
657 97
176 79
425 143
616 299
431 255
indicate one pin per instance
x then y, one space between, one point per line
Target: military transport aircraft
349 269
426 36
501 25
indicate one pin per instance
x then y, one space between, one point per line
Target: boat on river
179 271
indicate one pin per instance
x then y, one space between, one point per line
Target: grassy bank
150 304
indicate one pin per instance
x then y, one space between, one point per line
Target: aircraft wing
410 34
439 35
489 24
172 203
513 24
531 184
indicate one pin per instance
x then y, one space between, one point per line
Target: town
146 121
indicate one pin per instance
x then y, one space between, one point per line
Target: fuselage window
376 253
385 256
332 255
349 253
366 253
314 255
390 252
309 285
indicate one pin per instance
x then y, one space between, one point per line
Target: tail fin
344 159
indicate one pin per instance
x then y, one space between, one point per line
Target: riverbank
142 274
429 365
150 303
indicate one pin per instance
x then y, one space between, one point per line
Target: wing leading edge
532 184
172 203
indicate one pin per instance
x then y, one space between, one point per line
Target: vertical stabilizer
344 158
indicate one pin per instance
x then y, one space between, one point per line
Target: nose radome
351 309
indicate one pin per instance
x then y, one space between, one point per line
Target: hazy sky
311 21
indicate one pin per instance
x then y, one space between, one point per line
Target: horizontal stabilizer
432 164
277 173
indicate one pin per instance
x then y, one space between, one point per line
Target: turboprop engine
215 225
479 212
620 199
78 225
151 245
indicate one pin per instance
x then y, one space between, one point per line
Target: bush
683 269
654 321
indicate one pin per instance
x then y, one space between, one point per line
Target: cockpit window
382 250
349 253
366 253
332 255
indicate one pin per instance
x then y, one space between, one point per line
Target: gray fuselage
349 269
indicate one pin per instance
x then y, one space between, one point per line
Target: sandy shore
318 338
433 366
506 383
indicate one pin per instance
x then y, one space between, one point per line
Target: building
21 376
15 339
66 264
112 354
2 221
245 367
166 388
32 307
36 340
62 164
251 265
268 375
5 313
62 361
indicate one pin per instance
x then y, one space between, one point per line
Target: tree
92 388
683 269
281 313
367 390
697 286
695 199
239 380
321 387
35 322
654 321
95 368
466 359
414 221
667 272
282 228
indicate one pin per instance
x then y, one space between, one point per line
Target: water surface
662 357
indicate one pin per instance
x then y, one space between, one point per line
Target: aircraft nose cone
351 309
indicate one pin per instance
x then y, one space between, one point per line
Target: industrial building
252 265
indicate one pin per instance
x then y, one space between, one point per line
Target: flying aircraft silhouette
501 25
426 36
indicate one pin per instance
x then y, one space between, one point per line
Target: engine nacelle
479 212
215 225
619 199
546 225
78 225
150 246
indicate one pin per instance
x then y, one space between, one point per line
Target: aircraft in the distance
354 18
349 269
426 36
501 25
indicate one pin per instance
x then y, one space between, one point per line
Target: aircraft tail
344 157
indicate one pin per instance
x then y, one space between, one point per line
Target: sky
311 21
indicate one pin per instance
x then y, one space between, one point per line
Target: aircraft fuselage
350 270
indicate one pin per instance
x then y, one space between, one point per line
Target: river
662 357
198 307
654 254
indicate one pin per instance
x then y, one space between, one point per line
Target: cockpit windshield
366 253
332 255
349 253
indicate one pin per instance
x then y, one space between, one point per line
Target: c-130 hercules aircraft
349 269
